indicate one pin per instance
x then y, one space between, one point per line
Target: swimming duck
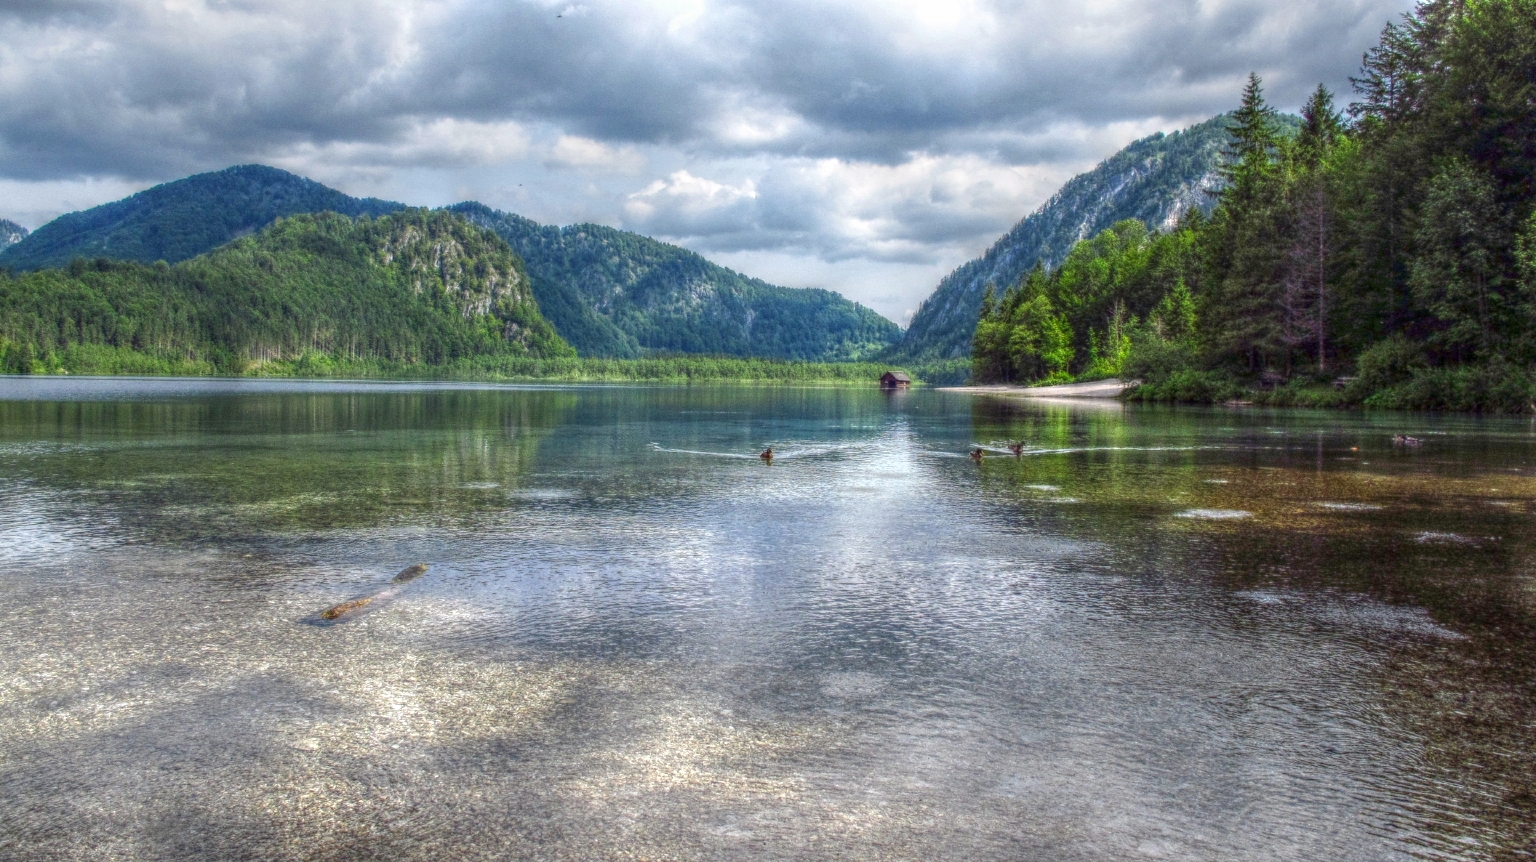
977 454
767 455
1016 448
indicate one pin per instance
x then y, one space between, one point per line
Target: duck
1016 448
767 455
977 454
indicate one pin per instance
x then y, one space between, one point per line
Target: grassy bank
104 360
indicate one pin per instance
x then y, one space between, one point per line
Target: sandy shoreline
1111 388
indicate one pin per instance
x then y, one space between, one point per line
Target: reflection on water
1157 634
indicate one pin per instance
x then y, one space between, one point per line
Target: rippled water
1184 634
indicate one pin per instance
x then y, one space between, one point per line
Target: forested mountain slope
608 292
412 287
182 219
10 233
1155 180
615 293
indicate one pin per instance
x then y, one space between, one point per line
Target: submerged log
410 574
335 611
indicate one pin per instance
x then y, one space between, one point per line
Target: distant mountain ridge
1156 179
182 219
607 292
413 287
10 233
615 293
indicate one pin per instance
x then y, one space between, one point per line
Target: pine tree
1321 128
1246 241
1304 285
1456 275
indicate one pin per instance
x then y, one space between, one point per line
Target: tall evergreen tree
1245 243
1457 277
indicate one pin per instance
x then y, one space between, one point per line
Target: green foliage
1191 387
1388 363
182 219
1455 274
1159 181
1403 244
1085 319
1495 386
411 288
618 294
570 369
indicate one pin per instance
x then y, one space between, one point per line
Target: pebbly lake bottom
1185 634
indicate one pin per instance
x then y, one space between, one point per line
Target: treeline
570 369
95 359
1385 255
413 287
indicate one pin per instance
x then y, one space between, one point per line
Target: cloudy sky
867 146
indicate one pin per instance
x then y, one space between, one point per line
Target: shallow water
1186 634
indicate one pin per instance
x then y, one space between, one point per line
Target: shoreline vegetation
1379 257
102 360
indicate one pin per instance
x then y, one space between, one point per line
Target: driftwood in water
335 611
410 574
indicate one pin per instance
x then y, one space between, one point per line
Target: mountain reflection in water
1191 634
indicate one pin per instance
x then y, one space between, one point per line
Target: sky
864 146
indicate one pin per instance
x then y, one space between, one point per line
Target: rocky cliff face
444 254
1156 179
10 233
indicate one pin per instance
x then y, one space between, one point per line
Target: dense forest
412 287
1385 255
613 293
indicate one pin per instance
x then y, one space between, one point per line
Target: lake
1204 634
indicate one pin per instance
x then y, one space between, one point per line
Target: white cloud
571 151
836 209
684 199
33 204
436 143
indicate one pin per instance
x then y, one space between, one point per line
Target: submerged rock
335 611
411 573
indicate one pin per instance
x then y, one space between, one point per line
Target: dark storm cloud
143 89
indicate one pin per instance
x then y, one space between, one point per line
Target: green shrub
1190 387
1495 387
1387 363
1153 360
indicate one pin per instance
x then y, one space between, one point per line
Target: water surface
1185 634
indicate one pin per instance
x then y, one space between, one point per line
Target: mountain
615 293
10 233
607 291
1156 179
182 219
412 287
